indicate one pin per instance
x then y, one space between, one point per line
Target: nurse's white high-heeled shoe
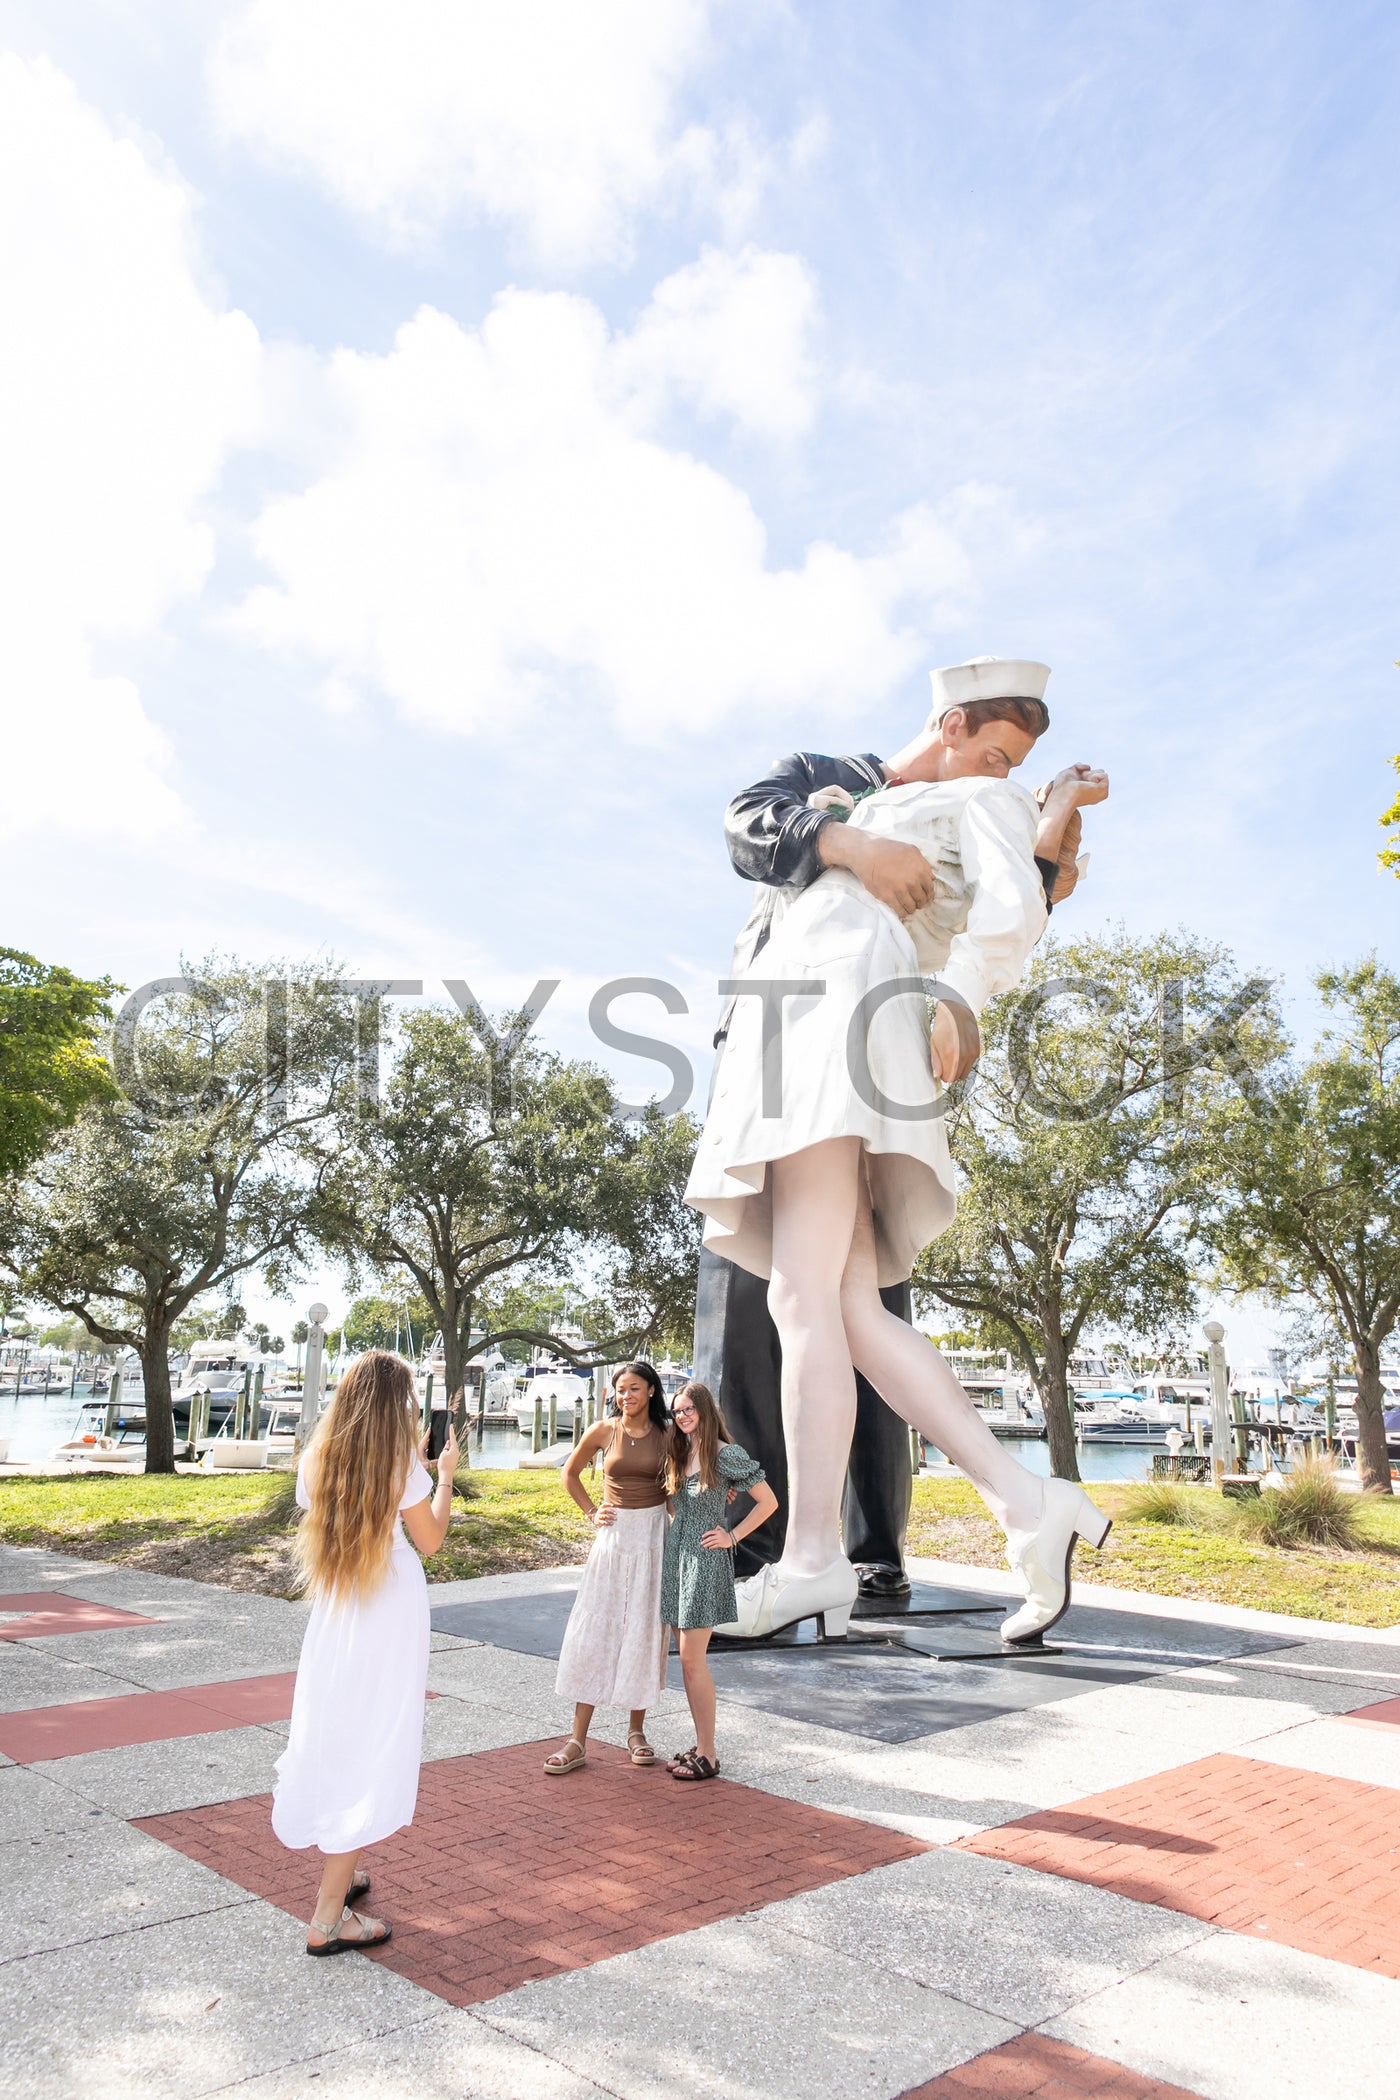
1042 1558
769 1601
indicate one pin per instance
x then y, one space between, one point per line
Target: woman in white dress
349 1774
824 1161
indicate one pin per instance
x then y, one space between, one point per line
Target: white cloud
551 115
124 387
503 524
730 334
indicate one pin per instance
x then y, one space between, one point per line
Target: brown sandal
694 1766
643 1754
335 1943
561 1763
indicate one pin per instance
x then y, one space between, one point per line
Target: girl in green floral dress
703 1470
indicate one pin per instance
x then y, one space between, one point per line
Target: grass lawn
238 1531
1214 1564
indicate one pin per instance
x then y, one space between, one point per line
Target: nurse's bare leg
912 1377
814 1210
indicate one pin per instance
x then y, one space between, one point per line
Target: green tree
1088 1146
1316 1175
476 1183
378 1322
1389 855
51 1061
205 1168
74 1337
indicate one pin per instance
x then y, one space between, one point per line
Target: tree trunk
1370 1421
1053 1385
454 1352
154 1353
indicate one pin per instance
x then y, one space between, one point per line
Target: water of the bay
34 1425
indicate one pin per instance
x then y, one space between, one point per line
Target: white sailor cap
987 678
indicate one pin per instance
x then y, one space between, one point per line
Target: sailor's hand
897 874
1076 787
955 1043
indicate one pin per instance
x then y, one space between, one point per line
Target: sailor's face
990 752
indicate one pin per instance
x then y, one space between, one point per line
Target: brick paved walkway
50 1611
507 1876
1312 1862
40 1732
1035 2068
1384 1714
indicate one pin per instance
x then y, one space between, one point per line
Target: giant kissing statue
824 1166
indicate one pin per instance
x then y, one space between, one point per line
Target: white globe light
316 1313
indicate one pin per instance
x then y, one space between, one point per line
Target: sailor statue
823 1169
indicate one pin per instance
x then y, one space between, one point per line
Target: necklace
636 1439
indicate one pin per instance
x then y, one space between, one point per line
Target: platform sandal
694 1766
639 1749
335 1942
561 1763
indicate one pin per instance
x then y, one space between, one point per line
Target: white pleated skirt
349 1774
614 1651
855 1062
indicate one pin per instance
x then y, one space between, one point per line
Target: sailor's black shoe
878 1580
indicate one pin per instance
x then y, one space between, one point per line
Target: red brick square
638 1858
1032 2067
1310 1861
53 1611
143 1717
1384 1714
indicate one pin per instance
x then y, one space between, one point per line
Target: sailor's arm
897 874
774 836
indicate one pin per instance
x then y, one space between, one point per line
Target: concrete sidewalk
1167 1860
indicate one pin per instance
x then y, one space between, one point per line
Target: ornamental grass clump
1312 1508
1161 1502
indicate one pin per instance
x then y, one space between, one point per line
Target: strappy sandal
680 1757
643 1754
561 1763
335 1943
359 1887
694 1766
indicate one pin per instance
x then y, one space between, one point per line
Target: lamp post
315 1366
1221 1427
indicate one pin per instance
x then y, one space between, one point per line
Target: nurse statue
824 1166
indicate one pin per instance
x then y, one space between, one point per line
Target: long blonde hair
705 1439
357 1465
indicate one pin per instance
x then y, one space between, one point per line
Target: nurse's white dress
349 1774
855 1059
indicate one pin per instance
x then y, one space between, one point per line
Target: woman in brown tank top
614 1651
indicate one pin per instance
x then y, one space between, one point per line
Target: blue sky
458 446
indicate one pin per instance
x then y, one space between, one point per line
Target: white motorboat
564 1391
95 1448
